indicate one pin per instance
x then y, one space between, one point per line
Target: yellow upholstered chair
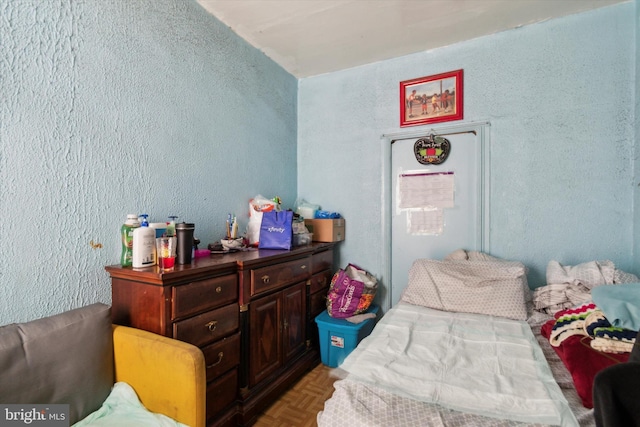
168 375
76 357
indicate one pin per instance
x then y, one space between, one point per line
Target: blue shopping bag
276 230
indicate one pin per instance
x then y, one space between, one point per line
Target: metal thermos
184 232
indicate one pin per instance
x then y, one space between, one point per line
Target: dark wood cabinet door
294 320
265 337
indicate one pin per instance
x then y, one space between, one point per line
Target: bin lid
325 318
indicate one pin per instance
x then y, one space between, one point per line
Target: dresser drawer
221 356
221 393
320 281
208 327
322 261
201 295
318 303
277 275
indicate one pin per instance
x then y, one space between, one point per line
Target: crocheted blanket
587 320
570 322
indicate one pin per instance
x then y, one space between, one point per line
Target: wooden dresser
252 314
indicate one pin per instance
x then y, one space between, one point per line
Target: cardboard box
326 230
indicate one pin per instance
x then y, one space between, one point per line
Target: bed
463 347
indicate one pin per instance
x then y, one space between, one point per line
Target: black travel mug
184 232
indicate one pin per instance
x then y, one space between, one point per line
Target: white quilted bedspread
476 364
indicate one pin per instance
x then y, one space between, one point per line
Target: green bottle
126 231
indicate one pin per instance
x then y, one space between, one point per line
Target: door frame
482 131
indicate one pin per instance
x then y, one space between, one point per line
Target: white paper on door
425 221
424 195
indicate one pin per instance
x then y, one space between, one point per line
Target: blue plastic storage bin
338 337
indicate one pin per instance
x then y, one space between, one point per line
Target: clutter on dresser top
147 243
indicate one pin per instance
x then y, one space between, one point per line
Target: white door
435 234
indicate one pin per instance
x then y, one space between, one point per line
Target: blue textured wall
636 182
560 97
116 107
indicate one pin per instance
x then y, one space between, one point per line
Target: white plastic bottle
144 245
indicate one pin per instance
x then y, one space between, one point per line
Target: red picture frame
431 99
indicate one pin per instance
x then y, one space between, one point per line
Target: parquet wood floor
300 405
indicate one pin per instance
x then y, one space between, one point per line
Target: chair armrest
168 375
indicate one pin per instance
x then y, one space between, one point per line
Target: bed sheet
359 403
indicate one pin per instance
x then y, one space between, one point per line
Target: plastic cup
166 247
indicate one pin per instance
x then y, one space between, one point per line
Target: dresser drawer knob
212 325
220 356
219 289
303 267
265 279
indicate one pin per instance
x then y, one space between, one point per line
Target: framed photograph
431 99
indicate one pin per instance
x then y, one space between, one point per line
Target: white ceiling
310 37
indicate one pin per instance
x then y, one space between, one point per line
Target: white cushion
123 409
496 288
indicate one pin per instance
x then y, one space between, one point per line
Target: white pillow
123 409
496 288
462 254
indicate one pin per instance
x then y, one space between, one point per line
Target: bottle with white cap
144 244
